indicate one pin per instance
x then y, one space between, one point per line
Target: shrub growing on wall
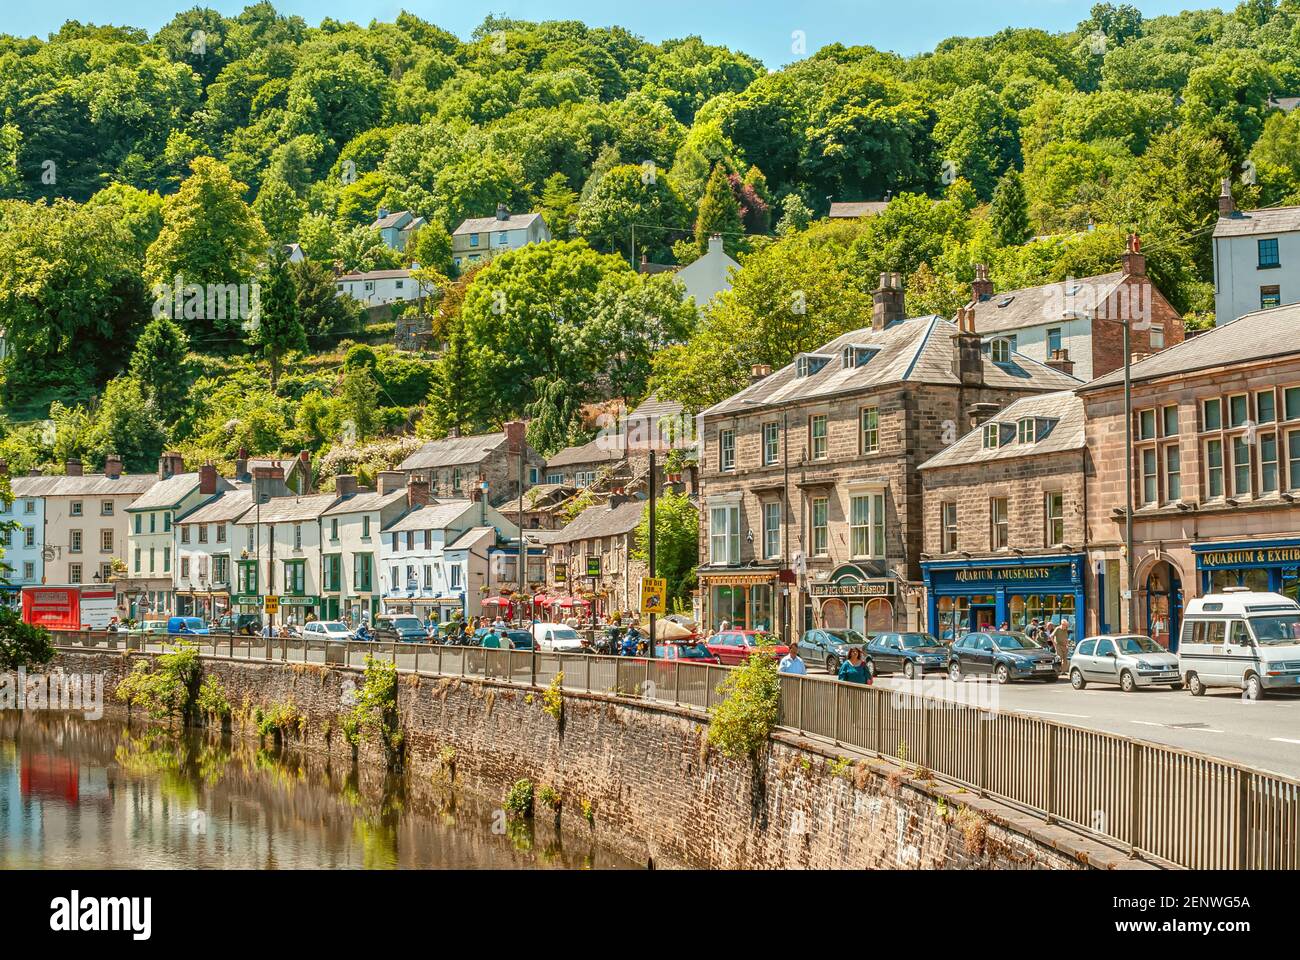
741 723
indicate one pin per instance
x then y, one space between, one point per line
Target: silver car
1130 660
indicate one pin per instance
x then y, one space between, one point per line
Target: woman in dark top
855 669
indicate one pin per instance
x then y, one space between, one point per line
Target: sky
767 29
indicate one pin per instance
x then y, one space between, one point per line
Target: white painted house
1256 258
481 238
352 543
281 554
395 228
374 288
206 548
709 275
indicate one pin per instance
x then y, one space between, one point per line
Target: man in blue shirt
791 663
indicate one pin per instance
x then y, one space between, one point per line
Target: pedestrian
791 662
1033 631
1005 627
724 626
855 668
1061 640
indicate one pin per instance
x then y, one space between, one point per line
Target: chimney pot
887 301
1060 360
981 288
112 466
1227 206
759 371
1134 262
417 491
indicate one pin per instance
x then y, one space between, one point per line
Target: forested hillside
127 159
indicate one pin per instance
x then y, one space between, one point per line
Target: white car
557 638
327 630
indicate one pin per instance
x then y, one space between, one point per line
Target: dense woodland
128 158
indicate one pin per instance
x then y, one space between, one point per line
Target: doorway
1164 605
983 617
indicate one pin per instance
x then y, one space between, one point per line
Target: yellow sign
270 605
654 595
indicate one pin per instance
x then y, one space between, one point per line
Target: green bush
519 801
741 723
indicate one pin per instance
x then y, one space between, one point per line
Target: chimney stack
515 436
759 371
304 459
73 467
112 466
390 480
170 464
887 301
969 361
979 413
345 485
1227 206
241 465
208 479
383 212
417 491
1060 360
1134 261
503 212
981 287
269 482
715 243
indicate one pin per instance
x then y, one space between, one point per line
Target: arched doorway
834 614
880 616
1164 604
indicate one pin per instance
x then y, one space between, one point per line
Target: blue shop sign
1247 554
1031 575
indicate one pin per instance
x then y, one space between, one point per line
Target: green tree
125 422
160 364
677 532
319 309
279 328
22 645
559 205
1009 212
718 213
979 135
357 402
795 215
631 197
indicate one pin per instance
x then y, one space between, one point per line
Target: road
1264 735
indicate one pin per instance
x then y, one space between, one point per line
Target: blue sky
762 28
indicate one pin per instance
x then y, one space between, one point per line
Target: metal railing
1157 801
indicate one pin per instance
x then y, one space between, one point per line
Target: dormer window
1000 350
806 364
992 435
855 355
1025 429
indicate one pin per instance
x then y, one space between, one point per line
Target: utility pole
523 548
1128 477
650 643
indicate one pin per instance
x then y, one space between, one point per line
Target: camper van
1240 639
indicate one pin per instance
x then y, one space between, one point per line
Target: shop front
983 594
850 597
296 609
1261 565
210 605
745 600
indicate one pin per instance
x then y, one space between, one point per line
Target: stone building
457 466
811 503
1081 319
1216 472
1003 512
601 538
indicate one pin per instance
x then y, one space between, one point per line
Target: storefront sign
1002 573
593 566
1216 559
247 599
561 573
854 588
298 601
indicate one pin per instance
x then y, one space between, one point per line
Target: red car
736 646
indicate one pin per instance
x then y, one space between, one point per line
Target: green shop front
983 593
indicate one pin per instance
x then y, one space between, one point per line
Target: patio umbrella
568 603
670 630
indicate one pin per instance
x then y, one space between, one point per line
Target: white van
1240 639
557 638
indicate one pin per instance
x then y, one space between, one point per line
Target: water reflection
92 795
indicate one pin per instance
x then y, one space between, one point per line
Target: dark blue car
1003 656
912 654
517 639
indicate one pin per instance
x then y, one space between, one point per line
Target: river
79 794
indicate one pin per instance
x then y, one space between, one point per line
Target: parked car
249 624
830 646
507 639
400 628
912 653
150 629
736 646
327 630
691 650
177 626
557 638
1239 638
1131 660
1005 656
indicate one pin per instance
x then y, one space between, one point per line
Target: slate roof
166 493
516 221
1244 223
869 208
1261 335
87 485
453 451
1066 434
392 220
377 275
919 350
289 509
227 506
602 520
431 516
470 537
653 408
1048 303
600 450
365 502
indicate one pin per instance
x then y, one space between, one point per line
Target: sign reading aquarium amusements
1003 573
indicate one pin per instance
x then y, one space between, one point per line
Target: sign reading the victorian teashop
1002 573
1239 558
855 588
